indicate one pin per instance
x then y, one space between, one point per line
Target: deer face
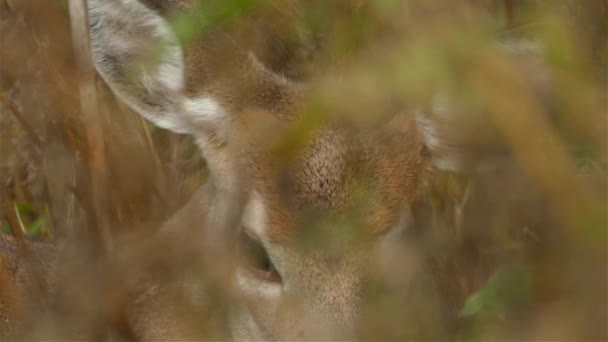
315 226
315 230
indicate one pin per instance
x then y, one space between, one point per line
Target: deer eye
254 257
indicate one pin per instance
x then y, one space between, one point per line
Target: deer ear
138 55
444 150
465 138
460 139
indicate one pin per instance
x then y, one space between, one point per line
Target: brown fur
393 162
248 73
18 290
245 79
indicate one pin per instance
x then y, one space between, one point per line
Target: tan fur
392 161
18 290
235 77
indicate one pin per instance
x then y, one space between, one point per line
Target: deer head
349 189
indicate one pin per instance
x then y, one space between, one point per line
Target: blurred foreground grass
516 244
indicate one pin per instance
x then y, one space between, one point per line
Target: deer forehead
338 174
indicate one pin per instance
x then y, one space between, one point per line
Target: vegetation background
516 245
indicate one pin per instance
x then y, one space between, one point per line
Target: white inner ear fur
444 156
170 71
200 111
126 32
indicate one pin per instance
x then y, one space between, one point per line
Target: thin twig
149 141
89 108
459 212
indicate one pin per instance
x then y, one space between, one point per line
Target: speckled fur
320 294
326 278
16 283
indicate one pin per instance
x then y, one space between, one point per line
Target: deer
217 91
223 92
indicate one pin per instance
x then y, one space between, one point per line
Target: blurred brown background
516 244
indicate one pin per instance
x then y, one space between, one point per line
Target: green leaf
508 286
26 208
472 306
34 229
